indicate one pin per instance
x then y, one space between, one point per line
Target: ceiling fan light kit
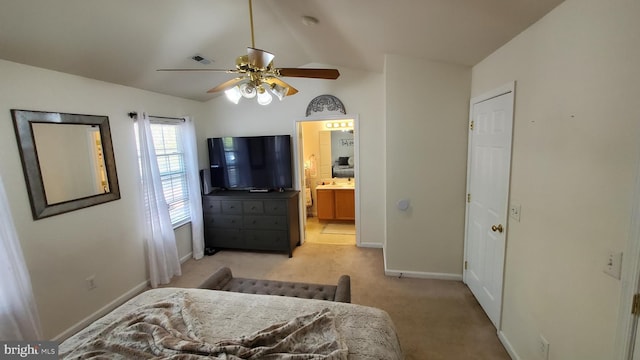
233 94
259 78
247 90
264 98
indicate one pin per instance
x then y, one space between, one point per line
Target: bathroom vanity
336 202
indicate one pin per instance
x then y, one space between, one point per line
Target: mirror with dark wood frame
67 160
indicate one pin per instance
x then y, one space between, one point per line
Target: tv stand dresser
236 219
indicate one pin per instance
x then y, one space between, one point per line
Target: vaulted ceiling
125 41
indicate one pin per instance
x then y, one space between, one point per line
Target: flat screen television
251 162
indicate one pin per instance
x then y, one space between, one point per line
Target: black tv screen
251 162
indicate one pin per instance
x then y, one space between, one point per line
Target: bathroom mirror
67 160
342 152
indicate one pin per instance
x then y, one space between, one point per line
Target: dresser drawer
265 222
228 238
275 207
210 206
224 221
253 207
266 239
231 207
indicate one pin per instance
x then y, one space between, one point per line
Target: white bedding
368 333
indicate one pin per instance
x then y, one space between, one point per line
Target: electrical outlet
91 282
613 264
514 211
543 348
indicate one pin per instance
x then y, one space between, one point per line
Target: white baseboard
370 245
507 345
101 312
423 275
186 257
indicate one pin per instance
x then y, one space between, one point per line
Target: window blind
167 140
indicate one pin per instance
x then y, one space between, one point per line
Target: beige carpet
339 229
435 319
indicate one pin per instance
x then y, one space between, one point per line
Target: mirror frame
22 121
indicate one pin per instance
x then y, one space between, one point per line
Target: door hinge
468 198
471 125
465 264
635 307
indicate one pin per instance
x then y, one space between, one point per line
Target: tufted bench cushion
223 280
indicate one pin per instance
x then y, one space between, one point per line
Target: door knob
497 228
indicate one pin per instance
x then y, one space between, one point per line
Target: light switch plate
514 211
613 264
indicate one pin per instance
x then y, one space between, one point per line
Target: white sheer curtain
19 318
193 178
162 251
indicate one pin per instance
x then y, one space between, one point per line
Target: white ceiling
125 41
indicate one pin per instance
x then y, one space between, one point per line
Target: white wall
105 240
427 112
362 94
575 149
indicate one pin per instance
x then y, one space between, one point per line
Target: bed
199 323
343 167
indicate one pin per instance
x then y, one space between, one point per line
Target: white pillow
350 161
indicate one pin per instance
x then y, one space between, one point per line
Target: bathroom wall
341 144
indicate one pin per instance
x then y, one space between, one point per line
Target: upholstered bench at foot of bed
223 280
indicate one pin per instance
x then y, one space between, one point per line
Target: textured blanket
167 329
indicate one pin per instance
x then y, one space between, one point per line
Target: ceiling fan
258 76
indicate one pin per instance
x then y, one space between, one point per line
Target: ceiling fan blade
273 80
213 70
227 84
259 58
331 74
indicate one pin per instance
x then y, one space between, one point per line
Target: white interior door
488 189
636 343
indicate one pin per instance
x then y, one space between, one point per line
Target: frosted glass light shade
248 90
233 94
264 98
279 91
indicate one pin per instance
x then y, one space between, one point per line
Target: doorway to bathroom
327 165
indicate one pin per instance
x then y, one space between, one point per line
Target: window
168 142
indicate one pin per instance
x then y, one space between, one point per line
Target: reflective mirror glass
67 160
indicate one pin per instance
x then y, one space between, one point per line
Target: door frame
502 90
299 166
627 322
